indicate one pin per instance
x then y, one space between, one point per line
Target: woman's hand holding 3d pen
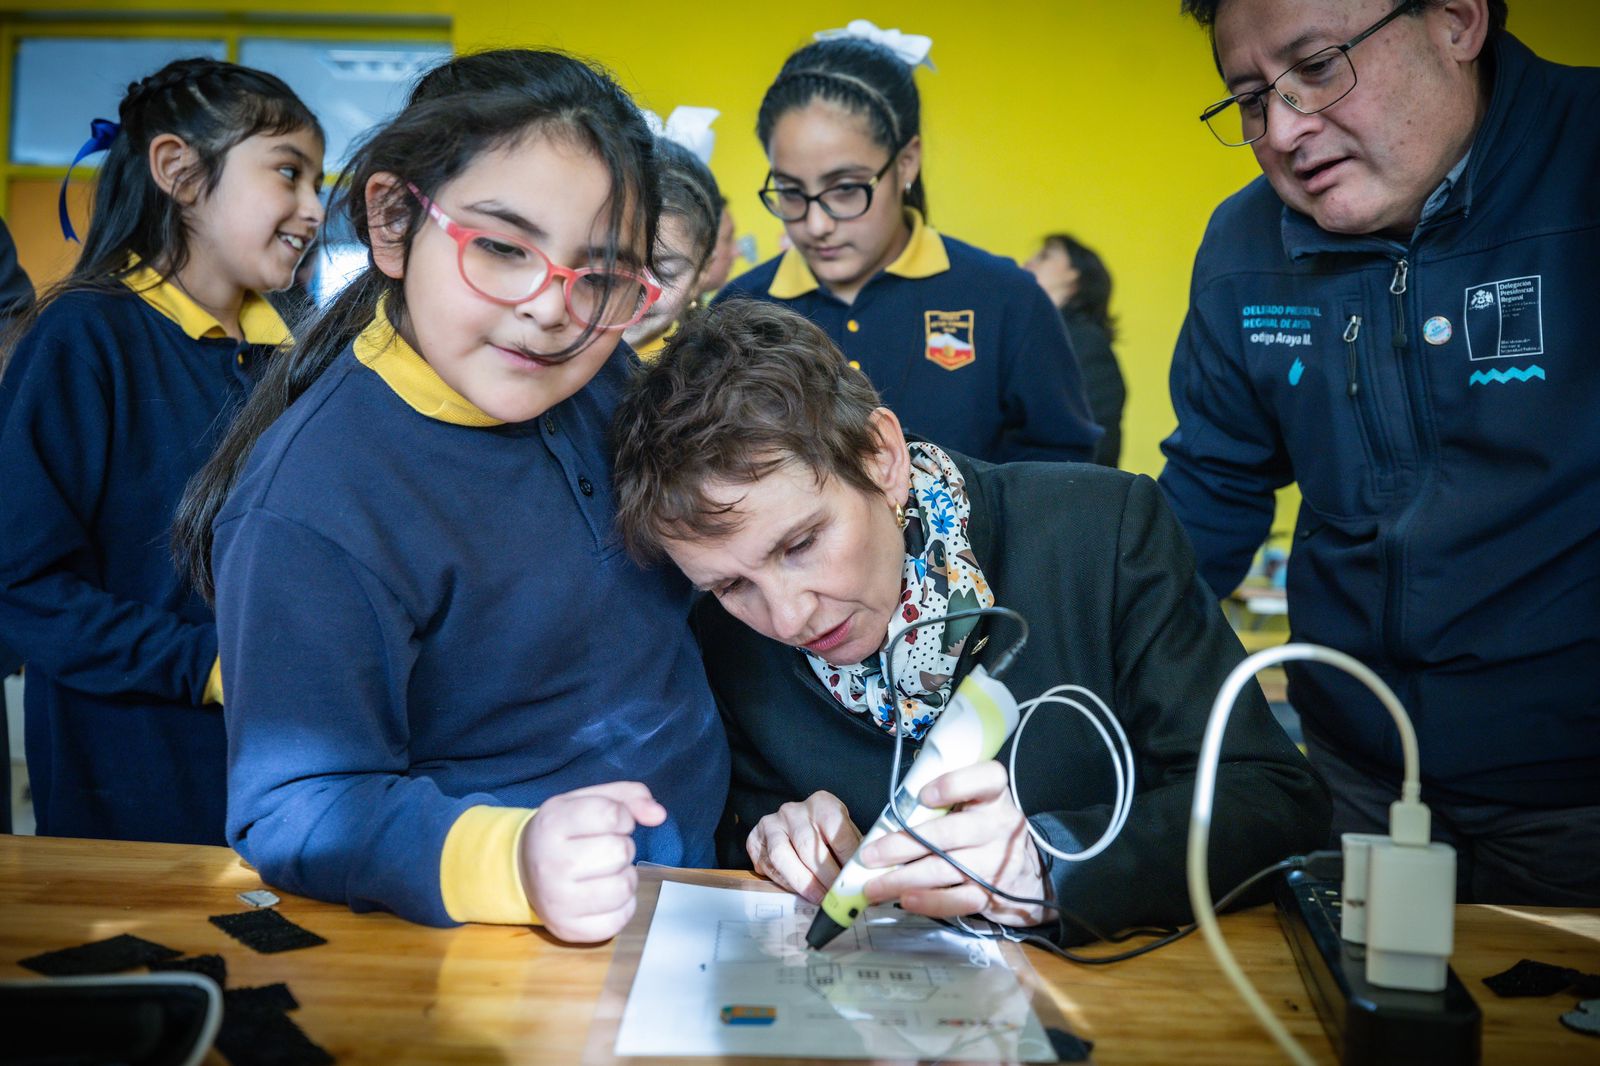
802 847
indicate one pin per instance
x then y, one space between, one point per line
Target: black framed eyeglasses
1313 84
842 202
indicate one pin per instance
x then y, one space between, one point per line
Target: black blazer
1100 568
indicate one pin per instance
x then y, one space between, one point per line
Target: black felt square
213 966
267 1038
1530 978
1068 1046
263 999
102 956
266 931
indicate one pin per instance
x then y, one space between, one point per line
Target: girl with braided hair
451 694
960 342
121 383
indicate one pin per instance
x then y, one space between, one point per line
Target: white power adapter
1353 893
1399 899
1399 889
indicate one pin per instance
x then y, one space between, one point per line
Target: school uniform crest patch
948 338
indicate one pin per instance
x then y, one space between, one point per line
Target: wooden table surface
386 991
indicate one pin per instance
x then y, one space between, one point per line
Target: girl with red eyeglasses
450 693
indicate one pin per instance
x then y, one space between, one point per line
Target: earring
900 515
908 188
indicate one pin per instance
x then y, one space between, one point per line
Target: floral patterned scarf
941 576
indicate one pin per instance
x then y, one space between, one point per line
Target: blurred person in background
1077 282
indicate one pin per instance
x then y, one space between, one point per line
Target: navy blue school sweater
964 346
110 403
428 628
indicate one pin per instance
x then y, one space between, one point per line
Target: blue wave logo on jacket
1501 377
1296 371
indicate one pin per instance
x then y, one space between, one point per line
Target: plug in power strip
1369 1025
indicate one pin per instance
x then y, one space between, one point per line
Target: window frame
422 27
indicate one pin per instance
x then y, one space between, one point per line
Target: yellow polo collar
651 351
381 349
259 323
923 257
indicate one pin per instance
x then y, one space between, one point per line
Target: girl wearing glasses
451 695
960 342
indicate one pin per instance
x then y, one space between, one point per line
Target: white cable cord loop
1122 763
1205 794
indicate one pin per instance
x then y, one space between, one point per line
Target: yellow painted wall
1075 115
1068 114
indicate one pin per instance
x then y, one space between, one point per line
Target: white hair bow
688 126
912 48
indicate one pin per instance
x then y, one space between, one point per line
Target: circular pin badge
1437 330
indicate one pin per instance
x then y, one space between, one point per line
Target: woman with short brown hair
763 465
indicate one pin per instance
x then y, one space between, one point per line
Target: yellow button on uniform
853 326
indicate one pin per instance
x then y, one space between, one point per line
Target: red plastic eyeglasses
508 271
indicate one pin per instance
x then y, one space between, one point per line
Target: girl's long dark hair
212 106
467 106
689 190
863 77
1092 298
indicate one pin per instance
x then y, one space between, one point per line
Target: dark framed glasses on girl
508 270
842 202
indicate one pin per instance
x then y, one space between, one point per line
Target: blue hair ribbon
102 131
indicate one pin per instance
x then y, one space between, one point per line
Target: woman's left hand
984 831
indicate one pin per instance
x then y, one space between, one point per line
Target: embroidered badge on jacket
949 338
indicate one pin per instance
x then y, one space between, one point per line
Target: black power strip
1371 1026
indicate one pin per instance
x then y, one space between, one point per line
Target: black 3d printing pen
979 718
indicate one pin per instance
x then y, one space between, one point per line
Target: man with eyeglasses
1403 316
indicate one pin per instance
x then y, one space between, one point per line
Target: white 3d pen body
981 715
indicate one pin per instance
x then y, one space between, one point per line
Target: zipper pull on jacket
1397 288
1351 330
